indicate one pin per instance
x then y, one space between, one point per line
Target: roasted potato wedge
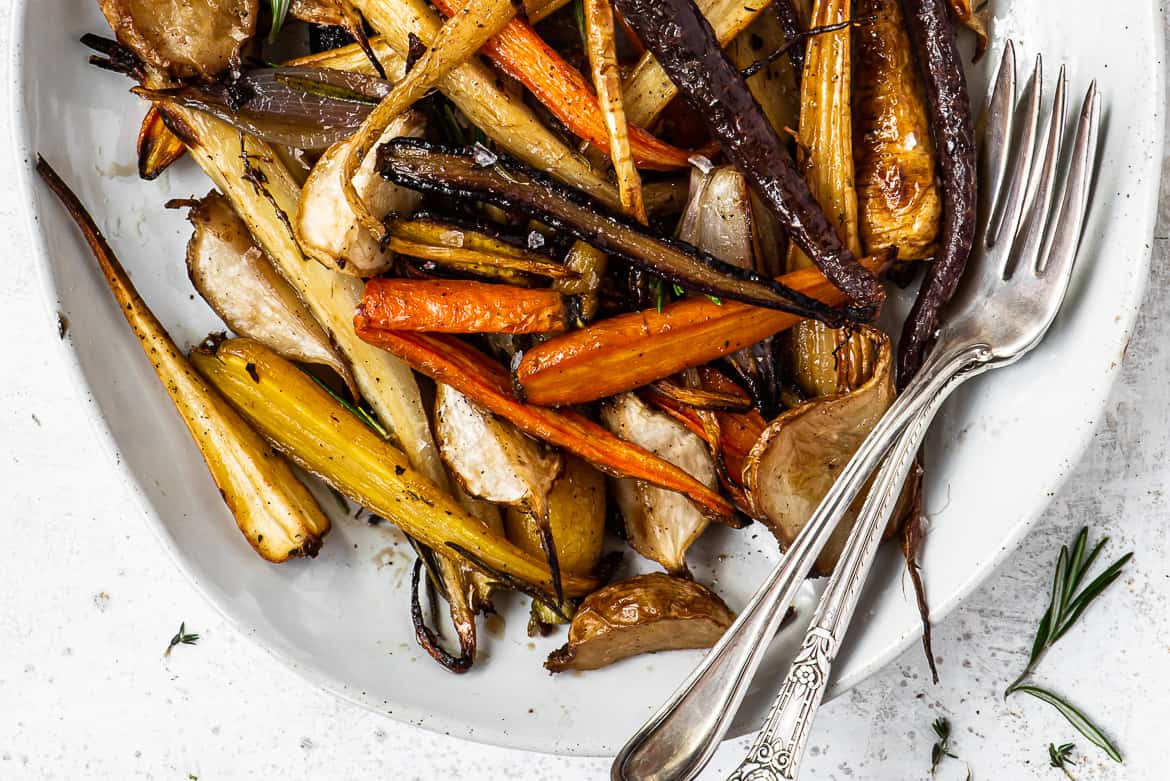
647 613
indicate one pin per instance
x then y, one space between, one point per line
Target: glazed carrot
453 362
630 350
521 53
456 306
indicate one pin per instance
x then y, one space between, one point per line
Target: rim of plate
22 156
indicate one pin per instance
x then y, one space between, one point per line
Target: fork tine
997 134
1006 221
1064 238
1026 253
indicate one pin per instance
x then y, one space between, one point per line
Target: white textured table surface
88 600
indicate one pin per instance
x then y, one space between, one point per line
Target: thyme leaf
182 637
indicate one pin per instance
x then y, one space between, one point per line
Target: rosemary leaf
279 12
1079 721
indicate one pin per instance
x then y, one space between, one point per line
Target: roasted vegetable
276 513
789 18
158 147
827 361
685 45
576 515
509 184
802 452
953 130
588 265
473 249
327 227
521 53
648 89
628 351
322 437
239 282
447 360
973 18
898 199
461 307
661 525
453 44
494 461
644 614
181 39
771 78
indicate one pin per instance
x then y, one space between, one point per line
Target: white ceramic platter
341 620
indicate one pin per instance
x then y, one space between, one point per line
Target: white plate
341 620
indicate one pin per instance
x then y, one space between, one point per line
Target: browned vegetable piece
897 196
324 12
644 614
158 147
801 453
576 513
236 278
458 306
973 18
183 39
274 510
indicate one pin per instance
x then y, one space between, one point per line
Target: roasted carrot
453 362
521 53
456 306
158 147
630 350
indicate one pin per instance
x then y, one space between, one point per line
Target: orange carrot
630 350
453 362
460 307
521 53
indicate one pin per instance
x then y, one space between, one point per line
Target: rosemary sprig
1059 757
360 412
182 637
279 12
1069 601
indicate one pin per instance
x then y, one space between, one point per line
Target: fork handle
678 741
779 747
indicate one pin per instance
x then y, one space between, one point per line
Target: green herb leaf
362 414
1079 721
279 12
182 637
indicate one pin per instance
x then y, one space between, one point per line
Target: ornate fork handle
678 741
778 749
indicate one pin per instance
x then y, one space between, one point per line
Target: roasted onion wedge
327 227
576 514
801 453
158 147
239 282
322 437
661 525
644 614
276 513
183 38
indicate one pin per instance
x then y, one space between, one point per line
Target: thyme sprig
182 637
1068 602
942 748
1060 757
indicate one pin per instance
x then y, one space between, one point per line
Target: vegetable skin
461 307
953 130
158 147
448 360
685 45
628 351
275 512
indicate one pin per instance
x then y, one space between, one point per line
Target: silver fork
1011 293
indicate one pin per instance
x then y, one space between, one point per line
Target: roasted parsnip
322 437
276 513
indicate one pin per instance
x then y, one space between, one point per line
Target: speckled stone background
88 600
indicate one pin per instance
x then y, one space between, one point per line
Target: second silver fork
1009 299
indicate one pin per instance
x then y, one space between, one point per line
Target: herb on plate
1069 601
182 637
1059 757
942 748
